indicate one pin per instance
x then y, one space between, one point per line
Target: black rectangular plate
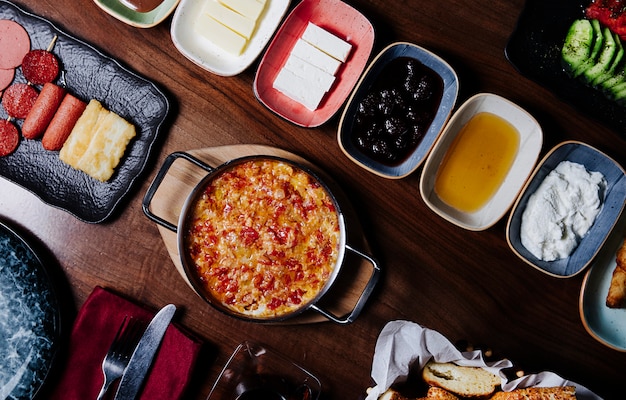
87 74
534 49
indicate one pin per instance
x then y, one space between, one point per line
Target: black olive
395 126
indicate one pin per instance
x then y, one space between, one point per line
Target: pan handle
158 179
369 288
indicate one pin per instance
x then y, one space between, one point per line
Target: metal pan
189 268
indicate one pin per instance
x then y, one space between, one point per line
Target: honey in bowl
477 162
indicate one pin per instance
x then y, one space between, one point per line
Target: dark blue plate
29 318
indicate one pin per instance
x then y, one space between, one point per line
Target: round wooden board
183 176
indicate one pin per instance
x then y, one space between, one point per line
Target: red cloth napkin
92 334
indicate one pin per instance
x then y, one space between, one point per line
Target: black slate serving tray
534 49
87 74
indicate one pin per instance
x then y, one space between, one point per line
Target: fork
119 353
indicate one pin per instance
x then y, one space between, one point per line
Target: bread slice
434 393
437 393
461 381
391 394
616 296
543 393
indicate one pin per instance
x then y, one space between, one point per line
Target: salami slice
9 138
14 44
6 77
18 100
40 66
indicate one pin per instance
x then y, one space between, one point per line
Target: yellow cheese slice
220 35
108 144
249 8
80 137
232 19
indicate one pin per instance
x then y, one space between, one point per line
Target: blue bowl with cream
611 193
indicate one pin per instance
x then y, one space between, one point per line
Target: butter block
298 89
219 34
314 56
239 23
248 8
309 72
327 42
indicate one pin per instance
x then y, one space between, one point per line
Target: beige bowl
531 139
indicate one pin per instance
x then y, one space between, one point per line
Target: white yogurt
562 210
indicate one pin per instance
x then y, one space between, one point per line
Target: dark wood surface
467 285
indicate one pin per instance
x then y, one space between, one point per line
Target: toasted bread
437 393
434 393
459 380
391 394
538 393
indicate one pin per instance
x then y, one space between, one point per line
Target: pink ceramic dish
336 17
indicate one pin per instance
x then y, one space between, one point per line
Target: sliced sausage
62 123
40 66
9 138
18 100
6 77
14 44
43 110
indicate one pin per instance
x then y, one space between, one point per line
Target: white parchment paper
402 344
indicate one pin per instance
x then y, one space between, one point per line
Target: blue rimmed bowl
374 73
592 242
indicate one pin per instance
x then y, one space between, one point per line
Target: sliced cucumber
614 68
618 76
618 92
602 64
578 47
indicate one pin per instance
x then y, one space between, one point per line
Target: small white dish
137 19
531 139
211 57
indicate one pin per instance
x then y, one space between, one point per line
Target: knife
144 353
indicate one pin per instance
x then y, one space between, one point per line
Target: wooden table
467 285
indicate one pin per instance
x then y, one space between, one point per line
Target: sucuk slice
14 44
578 45
19 99
9 138
6 77
40 66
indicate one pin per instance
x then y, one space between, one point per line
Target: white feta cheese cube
309 72
327 42
316 57
298 89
